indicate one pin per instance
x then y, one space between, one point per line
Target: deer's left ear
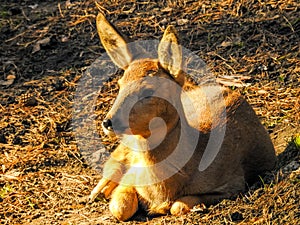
113 42
170 54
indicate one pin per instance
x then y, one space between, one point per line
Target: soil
47 49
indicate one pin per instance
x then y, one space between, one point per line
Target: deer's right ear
170 54
113 42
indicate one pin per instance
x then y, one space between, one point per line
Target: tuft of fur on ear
170 54
113 42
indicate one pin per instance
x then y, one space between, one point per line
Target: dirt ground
46 48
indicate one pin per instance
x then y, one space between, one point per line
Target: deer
164 133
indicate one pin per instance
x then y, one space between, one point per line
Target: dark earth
47 48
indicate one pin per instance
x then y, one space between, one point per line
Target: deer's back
246 142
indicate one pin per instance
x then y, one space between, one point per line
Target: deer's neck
178 139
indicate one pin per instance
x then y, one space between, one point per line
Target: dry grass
46 48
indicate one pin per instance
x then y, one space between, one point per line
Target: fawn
165 133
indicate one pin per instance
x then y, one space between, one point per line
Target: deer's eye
147 93
151 73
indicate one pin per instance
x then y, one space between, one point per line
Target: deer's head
149 89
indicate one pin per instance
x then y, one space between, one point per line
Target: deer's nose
107 123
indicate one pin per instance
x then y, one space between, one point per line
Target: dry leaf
37 46
226 44
167 9
181 22
9 80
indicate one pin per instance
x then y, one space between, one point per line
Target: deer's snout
107 124
113 126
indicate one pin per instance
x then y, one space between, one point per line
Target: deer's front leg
124 200
112 174
184 204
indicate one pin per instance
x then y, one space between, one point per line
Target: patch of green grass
281 78
296 140
32 205
5 191
239 44
233 87
4 13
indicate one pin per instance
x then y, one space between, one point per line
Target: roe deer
165 133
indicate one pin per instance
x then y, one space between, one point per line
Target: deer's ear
170 54
113 42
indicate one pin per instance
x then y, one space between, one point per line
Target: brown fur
132 174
